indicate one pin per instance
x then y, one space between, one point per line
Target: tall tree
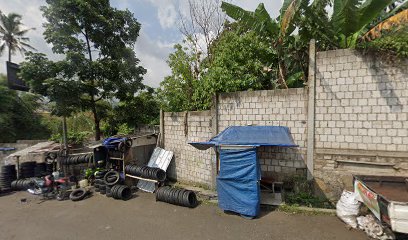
12 34
98 42
176 91
201 24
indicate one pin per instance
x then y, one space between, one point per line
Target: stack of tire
27 169
78 159
22 184
40 170
121 192
99 182
100 186
177 196
7 176
146 172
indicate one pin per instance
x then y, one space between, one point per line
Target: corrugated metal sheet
161 159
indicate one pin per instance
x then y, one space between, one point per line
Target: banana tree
343 29
277 30
350 18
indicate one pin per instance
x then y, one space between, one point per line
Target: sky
158 34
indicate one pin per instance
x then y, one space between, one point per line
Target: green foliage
12 34
299 192
237 64
73 137
296 209
306 199
351 17
78 29
258 21
124 129
239 61
176 91
18 116
141 109
392 43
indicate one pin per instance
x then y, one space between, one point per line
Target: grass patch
308 200
296 209
300 192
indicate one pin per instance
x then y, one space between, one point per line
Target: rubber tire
78 194
110 174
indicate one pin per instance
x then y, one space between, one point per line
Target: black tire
111 178
78 194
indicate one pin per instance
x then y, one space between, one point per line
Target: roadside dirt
102 218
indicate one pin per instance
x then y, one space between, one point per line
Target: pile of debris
387 199
64 176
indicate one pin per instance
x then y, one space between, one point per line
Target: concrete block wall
270 108
189 164
361 118
361 123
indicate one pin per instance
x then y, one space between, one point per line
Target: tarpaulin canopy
250 136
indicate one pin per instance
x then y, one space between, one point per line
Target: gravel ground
99 217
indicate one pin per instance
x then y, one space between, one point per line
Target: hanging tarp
238 181
250 136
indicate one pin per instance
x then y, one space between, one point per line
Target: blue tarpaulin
250 136
239 175
237 181
7 149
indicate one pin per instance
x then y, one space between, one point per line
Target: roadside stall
239 173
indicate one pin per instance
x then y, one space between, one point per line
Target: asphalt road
102 218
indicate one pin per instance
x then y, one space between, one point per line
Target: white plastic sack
347 208
373 228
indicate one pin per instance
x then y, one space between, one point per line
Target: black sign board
14 82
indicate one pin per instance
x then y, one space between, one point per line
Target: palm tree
12 35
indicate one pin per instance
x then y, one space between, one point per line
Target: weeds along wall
360 124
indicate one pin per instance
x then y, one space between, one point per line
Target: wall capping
361 153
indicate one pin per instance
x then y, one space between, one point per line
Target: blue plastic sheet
112 142
250 136
7 149
238 181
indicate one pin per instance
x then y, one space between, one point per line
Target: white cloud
153 55
32 18
167 15
166 12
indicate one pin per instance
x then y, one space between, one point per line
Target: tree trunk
282 75
97 122
9 53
